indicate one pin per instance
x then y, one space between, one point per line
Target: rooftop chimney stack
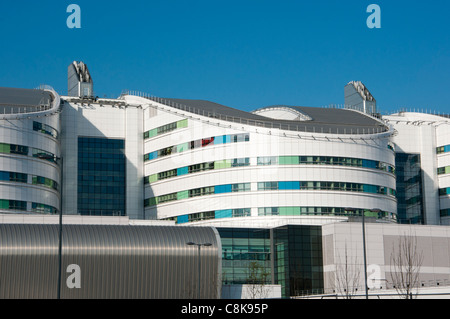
358 97
80 83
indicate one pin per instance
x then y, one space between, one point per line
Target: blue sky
245 54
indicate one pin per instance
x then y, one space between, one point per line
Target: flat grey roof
11 99
326 120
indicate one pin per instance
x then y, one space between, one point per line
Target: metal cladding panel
115 262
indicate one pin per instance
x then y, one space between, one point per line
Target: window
43 209
268 160
237 162
165 129
243 212
242 187
201 191
167 174
264 186
101 177
201 167
167 198
45 129
207 141
19 149
43 155
268 211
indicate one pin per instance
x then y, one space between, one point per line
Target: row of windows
43 181
203 191
443 170
100 144
265 186
197 144
13 177
6 204
236 162
165 129
282 211
45 129
102 167
226 213
23 178
325 160
443 149
101 212
444 191
271 160
334 186
323 211
25 150
43 209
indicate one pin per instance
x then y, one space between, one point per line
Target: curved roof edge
323 120
16 103
283 112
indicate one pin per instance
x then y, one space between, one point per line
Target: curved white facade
209 170
30 179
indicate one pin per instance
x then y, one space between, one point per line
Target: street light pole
60 232
364 248
199 262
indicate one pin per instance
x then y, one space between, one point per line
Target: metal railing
311 128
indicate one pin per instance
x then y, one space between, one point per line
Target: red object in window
207 141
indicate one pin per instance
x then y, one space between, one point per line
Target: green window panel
183 195
153 178
4 204
182 124
153 201
182 147
5 148
290 211
222 164
152 133
289 160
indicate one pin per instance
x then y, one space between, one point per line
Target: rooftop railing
300 127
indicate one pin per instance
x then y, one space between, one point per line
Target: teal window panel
227 213
182 171
220 189
369 164
370 189
288 185
220 140
183 219
152 156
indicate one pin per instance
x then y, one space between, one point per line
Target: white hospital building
200 163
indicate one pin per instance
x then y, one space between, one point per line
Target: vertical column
134 145
69 146
429 171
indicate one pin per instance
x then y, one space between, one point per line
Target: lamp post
199 262
58 296
375 210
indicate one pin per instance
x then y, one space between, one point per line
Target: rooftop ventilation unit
80 83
